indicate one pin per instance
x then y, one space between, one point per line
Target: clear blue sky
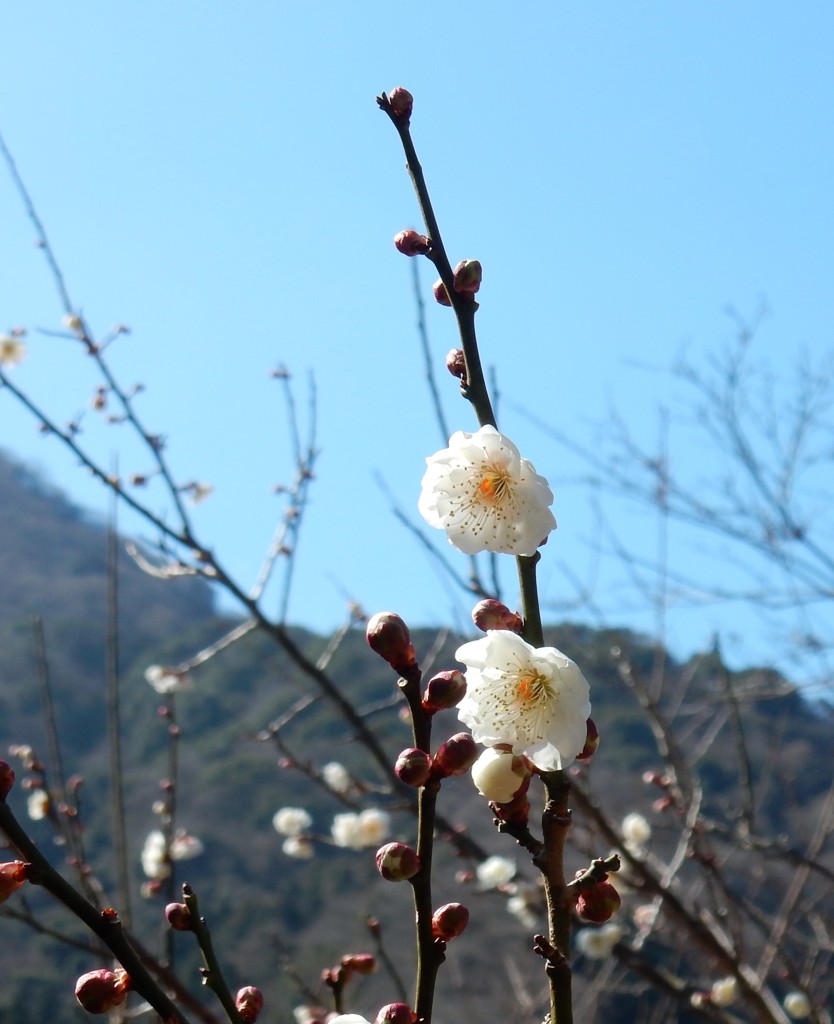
218 177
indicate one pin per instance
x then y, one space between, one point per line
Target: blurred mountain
234 768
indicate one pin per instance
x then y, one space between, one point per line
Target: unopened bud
444 690
397 862
249 1003
500 774
449 921
440 293
599 903
411 243
456 756
13 874
99 991
360 963
456 363
402 103
179 917
468 277
492 614
6 779
388 635
413 767
516 812
396 1013
591 742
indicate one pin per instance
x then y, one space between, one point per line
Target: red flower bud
396 1013
456 756
591 742
492 614
6 779
179 917
388 636
360 963
411 243
468 277
13 874
444 690
599 903
397 862
99 991
456 363
449 921
402 103
413 767
249 1003
440 293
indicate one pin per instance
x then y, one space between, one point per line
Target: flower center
532 690
494 485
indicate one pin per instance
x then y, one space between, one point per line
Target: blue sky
218 177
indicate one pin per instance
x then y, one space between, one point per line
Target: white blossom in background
298 847
336 776
12 350
533 699
636 832
597 943
494 872
37 804
184 846
359 831
724 992
499 774
154 856
199 492
167 680
72 321
521 905
291 821
797 1005
486 496
348 1018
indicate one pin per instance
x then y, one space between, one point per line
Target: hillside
267 909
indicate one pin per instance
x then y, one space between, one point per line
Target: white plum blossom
499 774
358 831
291 821
495 871
348 1018
37 804
184 846
486 496
797 1005
724 992
154 856
533 699
597 943
636 832
12 350
167 680
336 776
523 905
298 847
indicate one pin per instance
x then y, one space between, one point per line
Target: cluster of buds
388 635
456 756
249 1002
102 990
665 783
466 280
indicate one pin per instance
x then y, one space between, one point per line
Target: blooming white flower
299 847
636 832
167 680
534 699
291 821
336 776
486 496
797 1005
154 856
724 992
348 1018
184 846
597 943
494 872
12 350
499 774
358 831
37 804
